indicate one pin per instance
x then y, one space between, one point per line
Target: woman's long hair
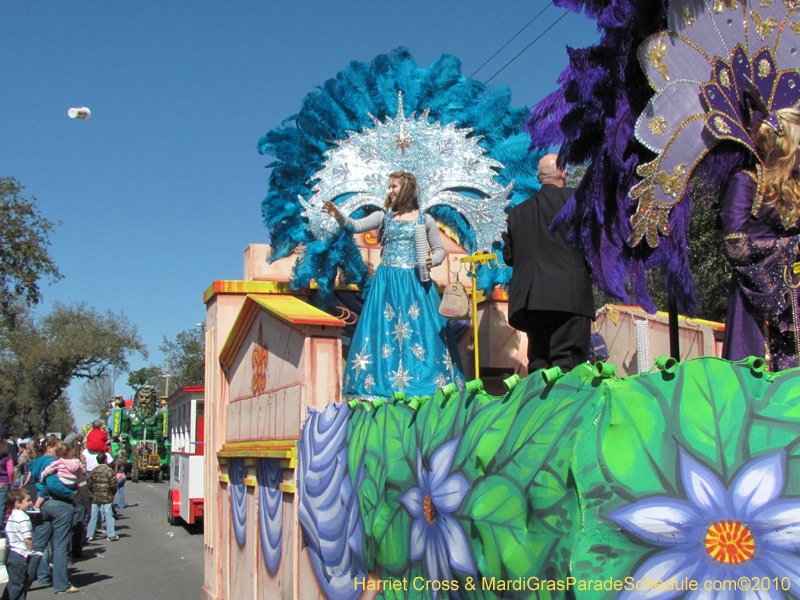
777 152
406 199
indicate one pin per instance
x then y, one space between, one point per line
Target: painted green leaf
604 556
369 493
776 424
598 549
712 409
390 532
541 430
434 423
486 429
357 430
547 490
634 443
505 546
391 437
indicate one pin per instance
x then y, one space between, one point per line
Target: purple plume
592 118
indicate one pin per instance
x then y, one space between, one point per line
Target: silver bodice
399 248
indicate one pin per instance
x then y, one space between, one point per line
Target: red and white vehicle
186 421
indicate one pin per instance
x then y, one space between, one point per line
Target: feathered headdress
697 55
466 147
711 72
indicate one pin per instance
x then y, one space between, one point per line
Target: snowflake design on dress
401 332
368 383
388 312
440 381
386 350
448 363
361 361
418 351
459 384
413 312
400 378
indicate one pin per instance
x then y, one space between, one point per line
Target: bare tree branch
96 394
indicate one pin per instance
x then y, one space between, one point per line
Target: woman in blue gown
401 342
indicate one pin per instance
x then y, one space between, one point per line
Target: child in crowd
26 457
97 440
67 468
121 464
103 484
20 544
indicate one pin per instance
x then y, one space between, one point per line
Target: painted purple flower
719 535
434 530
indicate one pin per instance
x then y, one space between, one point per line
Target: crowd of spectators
71 493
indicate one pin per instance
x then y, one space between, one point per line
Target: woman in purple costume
762 248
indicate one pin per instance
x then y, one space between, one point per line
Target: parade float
142 430
186 410
117 406
673 479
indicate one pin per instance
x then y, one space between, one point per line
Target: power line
528 46
511 40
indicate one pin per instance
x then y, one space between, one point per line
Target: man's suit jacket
549 273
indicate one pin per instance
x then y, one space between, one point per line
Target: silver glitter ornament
444 160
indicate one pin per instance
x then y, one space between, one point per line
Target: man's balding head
549 171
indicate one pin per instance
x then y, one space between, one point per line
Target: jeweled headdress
451 170
351 102
710 67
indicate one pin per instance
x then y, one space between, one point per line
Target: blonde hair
406 199
777 152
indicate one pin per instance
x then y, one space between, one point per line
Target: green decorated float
143 433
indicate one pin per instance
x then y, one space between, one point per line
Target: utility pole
166 376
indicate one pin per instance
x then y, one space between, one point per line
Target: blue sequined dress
401 342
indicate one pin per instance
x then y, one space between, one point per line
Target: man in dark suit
550 295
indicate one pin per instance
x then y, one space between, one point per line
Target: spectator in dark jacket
102 483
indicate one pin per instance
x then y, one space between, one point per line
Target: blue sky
159 193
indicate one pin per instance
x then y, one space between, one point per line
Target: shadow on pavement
82 579
196 529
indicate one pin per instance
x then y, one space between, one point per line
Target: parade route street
146 562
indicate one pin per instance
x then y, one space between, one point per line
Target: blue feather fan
344 104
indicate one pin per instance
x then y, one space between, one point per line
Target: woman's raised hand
330 208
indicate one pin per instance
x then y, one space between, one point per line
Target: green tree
24 242
707 259
186 356
575 174
63 419
152 375
41 356
145 376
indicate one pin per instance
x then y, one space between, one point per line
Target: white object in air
421 241
82 113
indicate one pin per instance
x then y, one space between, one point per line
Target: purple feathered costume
607 101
